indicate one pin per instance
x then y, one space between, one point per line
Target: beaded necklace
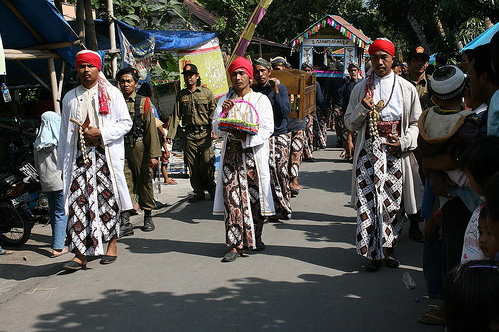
374 114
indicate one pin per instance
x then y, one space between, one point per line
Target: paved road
308 278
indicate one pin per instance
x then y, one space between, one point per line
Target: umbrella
483 39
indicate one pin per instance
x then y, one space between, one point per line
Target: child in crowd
472 297
480 162
45 155
488 244
165 148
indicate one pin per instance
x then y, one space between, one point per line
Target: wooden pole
90 26
61 80
53 85
33 74
24 56
80 20
54 45
112 36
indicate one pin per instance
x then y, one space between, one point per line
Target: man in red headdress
94 121
243 195
384 109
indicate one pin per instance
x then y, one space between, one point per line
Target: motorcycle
22 202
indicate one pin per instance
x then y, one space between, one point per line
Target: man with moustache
194 109
384 109
417 62
243 195
94 121
142 149
280 139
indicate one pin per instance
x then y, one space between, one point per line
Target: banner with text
208 59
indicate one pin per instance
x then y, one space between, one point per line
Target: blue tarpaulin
166 40
44 18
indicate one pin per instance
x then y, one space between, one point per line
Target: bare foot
112 249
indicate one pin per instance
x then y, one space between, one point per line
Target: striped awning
335 21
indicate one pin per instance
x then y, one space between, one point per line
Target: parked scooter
22 204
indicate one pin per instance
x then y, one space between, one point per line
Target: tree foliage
141 13
446 25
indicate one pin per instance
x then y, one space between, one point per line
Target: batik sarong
308 147
320 140
379 200
242 211
295 153
279 173
339 126
94 214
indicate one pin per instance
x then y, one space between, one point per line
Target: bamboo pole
112 36
53 85
80 21
33 74
25 56
61 81
29 52
54 45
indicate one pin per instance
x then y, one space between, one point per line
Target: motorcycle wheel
15 230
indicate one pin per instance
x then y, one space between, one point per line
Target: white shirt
383 87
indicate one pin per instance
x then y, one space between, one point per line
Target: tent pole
33 74
61 80
112 36
53 85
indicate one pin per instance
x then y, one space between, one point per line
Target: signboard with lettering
335 42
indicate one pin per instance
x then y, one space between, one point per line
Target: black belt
198 128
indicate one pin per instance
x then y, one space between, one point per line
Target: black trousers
455 218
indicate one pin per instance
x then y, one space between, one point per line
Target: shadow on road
246 304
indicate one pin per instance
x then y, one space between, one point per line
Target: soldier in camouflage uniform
142 149
194 110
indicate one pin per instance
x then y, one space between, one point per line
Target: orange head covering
382 44
241 63
90 57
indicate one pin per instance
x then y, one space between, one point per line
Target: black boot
148 224
126 227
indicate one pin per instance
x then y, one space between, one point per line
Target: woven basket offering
239 120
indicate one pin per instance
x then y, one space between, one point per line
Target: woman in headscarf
51 178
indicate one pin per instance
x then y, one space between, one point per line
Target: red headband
90 57
382 44
241 63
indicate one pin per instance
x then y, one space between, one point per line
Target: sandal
56 253
432 317
106 259
73 265
392 262
373 265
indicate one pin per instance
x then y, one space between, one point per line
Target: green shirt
422 87
152 146
192 109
